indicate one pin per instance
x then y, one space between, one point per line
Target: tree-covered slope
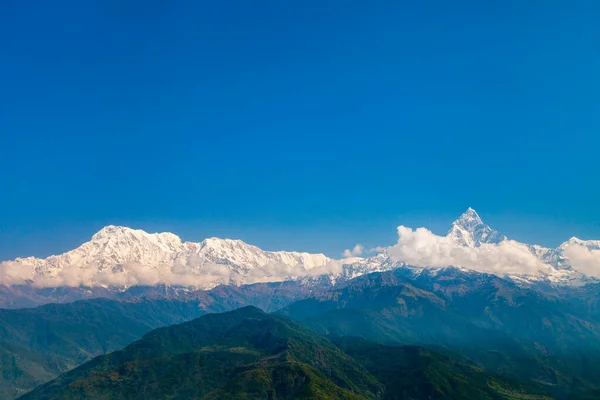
511 331
37 344
247 354
414 373
239 354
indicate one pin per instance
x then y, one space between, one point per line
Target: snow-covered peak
589 244
469 230
123 235
226 245
121 256
110 231
118 255
234 251
469 218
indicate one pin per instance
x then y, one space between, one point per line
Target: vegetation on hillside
248 354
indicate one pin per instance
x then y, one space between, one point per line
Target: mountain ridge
118 256
248 354
118 252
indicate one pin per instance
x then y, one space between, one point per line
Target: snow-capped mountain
470 244
469 230
123 257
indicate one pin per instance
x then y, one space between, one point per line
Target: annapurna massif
123 257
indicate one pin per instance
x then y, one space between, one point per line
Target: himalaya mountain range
468 315
119 258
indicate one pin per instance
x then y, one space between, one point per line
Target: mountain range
247 354
37 344
541 337
519 312
118 258
519 332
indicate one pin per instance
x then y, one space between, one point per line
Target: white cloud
190 271
423 248
378 249
583 259
355 252
275 272
14 273
418 247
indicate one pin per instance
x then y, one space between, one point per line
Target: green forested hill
37 344
509 331
520 334
243 352
414 373
247 354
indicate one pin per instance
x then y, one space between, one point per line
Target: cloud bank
419 247
185 272
14 273
583 259
422 248
355 252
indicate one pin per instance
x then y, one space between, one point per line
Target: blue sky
297 125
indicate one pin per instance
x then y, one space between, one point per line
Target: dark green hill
586 395
414 373
247 354
37 344
518 333
510 331
239 354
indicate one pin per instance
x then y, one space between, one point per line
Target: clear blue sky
309 125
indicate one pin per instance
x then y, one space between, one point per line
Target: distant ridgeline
510 321
509 338
247 354
119 260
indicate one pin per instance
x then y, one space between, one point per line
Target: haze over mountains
123 257
247 354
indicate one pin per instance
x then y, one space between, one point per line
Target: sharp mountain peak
469 219
469 230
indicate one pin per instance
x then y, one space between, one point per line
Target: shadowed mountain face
268 296
509 330
247 354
